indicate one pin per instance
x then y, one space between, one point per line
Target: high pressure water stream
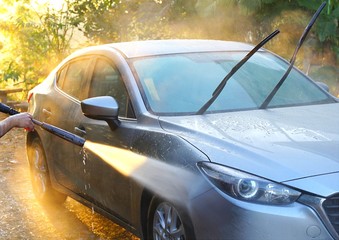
168 181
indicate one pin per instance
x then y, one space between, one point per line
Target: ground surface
22 217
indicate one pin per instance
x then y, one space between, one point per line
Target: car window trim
84 84
96 57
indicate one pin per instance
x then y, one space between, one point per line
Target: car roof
160 47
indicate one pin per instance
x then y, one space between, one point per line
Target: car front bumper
217 216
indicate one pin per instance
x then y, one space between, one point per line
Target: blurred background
35 35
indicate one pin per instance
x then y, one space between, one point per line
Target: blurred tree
35 41
97 19
292 16
104 21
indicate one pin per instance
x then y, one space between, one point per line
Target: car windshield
181 84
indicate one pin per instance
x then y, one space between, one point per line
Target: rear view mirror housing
102 108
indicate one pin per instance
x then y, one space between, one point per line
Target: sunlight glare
55 4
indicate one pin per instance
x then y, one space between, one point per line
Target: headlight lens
247 187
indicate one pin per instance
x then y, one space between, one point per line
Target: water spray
68 136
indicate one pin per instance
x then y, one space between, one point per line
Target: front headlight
246 187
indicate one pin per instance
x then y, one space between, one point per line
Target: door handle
80 130
46 112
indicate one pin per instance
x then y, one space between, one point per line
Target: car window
107 81
72 77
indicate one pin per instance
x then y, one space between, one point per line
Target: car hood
281 144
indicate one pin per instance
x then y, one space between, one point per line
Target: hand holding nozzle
17 119
23 120
68 136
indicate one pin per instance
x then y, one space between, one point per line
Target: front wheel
40 178
166 222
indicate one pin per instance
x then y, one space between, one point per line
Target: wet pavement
22 217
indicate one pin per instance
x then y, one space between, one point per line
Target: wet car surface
160 164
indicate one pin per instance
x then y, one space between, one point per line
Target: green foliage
12 72
97 19
310 4
327 29
37 43
104 21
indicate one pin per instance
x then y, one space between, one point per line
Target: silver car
165 162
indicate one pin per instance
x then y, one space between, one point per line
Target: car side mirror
102 108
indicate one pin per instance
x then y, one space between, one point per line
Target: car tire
40 177
166 222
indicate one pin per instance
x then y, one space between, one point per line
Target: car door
64 110
107 186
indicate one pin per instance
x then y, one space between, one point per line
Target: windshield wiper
222 84
301 41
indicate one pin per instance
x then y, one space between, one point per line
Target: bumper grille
331 207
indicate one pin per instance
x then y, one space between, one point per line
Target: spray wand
68 136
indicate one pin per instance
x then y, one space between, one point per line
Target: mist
167 181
